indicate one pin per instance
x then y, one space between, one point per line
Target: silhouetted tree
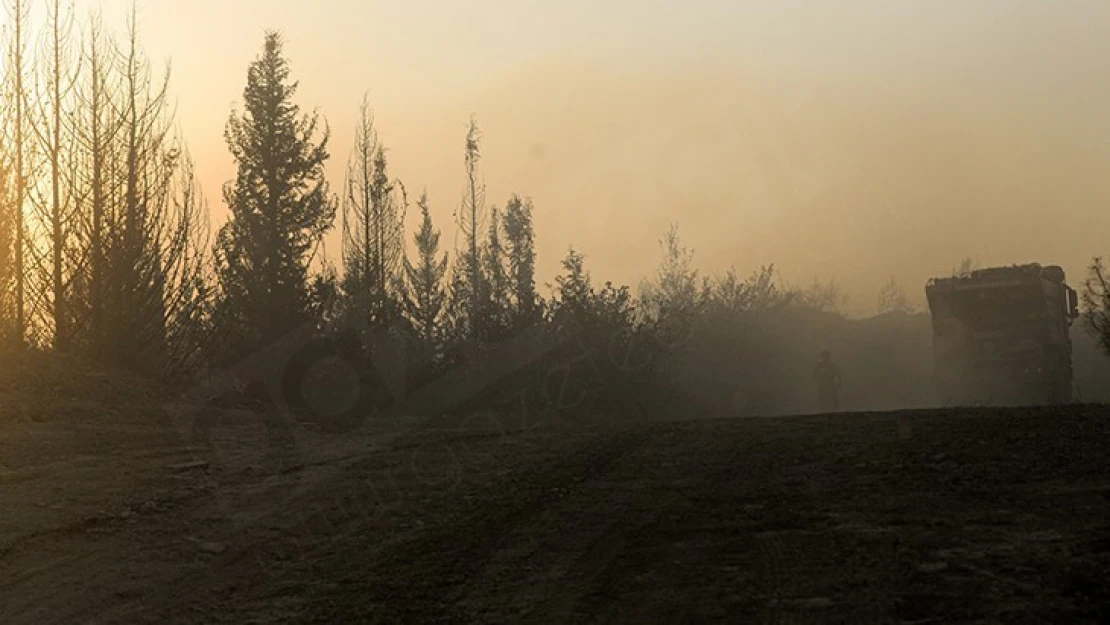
579 308
185 249
425 292
496 306
824 296
133 289
373 229
671 302
280 207
8 210
599 325
57 246
892 297
521 252
1096 302
97 134
574 292
470 290
141 223
731 295
17 68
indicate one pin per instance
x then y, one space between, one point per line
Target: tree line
104 245
106 249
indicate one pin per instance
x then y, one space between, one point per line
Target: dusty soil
112 515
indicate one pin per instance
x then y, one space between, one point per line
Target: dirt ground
112 515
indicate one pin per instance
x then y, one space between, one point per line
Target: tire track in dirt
448 565
230 510
793 521
554 591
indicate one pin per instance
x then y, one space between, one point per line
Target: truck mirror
1073 303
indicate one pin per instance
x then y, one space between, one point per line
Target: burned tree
17 153
470 292
1096 302
373 230
54 202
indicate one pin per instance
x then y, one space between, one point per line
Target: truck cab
1001 335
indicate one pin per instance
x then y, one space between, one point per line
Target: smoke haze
848 140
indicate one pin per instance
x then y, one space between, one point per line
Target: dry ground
959 516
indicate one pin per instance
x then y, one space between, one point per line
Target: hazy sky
854 139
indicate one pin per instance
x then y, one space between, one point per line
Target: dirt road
969 516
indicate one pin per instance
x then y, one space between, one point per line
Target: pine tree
426 296
279 201
521 252
496 305
373 229
470 287
574 291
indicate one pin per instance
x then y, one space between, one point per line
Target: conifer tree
521 253
373 229
469 284
280 205
426 295
495 317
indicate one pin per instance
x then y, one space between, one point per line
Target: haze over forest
852 140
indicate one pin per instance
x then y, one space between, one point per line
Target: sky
852 140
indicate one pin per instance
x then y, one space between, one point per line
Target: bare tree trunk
18 15
57 211
96 104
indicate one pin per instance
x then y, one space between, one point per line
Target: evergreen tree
598 315
426 296
496 306
280 206
574 291
521 252
470 287
373 230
